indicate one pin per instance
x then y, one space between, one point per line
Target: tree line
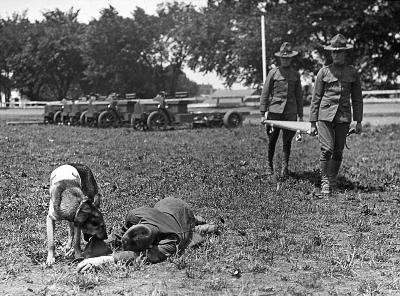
60 57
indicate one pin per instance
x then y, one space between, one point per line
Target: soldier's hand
313 130
358 128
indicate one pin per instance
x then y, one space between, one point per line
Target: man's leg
341 130
287 138
326 135
272 139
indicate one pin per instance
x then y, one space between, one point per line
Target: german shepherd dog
74 197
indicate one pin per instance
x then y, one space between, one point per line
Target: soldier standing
335 85
281 99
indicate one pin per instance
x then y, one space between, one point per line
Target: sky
89 9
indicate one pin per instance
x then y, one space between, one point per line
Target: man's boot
270 167
270 164
285 162
325 186
334 166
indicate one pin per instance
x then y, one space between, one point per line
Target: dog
75 197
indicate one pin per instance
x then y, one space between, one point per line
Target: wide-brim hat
338 42
286 51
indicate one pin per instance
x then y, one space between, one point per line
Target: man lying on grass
154 233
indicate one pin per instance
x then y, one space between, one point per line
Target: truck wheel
232 119
49 118
57 117
157 121
82 118
106 119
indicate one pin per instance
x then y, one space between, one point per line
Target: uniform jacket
171 219
282 92
336 89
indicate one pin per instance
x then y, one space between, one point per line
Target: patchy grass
285 242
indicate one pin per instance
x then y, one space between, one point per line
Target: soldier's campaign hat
338 42
286 51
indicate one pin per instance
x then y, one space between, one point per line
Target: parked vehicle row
151 114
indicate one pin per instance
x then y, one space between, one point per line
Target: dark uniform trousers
282 98
331 107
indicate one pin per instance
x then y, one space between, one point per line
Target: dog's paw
78 254
50 260
69 253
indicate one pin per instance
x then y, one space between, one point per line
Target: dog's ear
83 213
97 200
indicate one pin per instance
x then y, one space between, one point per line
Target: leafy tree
178 25
50 61
115 55
12 36
230 42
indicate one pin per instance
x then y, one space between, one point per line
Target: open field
285 242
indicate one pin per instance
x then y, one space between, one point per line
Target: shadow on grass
343 183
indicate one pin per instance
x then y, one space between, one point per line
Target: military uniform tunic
282 92
336 89
171 220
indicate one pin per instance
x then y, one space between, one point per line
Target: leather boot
324 167
270 168
270 164
334 166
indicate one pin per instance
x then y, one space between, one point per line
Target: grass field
285 242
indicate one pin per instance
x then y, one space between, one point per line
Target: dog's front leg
69 251
77 242
50 223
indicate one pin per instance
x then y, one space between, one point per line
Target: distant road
374 114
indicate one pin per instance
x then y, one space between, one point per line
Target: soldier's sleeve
124 256
299 97
266 92
356 99
317 96
165 248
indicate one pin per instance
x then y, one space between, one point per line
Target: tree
12 36
178 25
231 44
50 61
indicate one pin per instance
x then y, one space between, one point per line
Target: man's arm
357 102
89 263
165 248
317 96
266 91
299 99
122 256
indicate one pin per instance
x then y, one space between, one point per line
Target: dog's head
90 220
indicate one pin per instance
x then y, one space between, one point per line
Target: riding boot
334 166
270 164
285 162
325 186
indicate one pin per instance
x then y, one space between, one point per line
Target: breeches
287 135
332 139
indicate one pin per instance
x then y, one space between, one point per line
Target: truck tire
157 120
82 118
57 118
232 119
106 119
